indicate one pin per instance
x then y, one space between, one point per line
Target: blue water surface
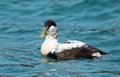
96 22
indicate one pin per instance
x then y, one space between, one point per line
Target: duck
71 49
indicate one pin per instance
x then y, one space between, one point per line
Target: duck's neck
50 41
50 36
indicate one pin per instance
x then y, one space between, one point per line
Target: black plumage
86 51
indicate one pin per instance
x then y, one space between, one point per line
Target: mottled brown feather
82 52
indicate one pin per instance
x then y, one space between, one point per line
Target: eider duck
72 49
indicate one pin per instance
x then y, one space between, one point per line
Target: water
96 22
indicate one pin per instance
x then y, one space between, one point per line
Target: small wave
31 65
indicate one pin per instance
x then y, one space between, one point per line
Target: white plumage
68 45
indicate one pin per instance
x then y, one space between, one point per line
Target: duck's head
50 28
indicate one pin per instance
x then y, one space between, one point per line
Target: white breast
48 46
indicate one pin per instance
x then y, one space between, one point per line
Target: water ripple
94 22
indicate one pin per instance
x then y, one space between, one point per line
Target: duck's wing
90 47
75 49
70 44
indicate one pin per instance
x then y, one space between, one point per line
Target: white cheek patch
52 30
